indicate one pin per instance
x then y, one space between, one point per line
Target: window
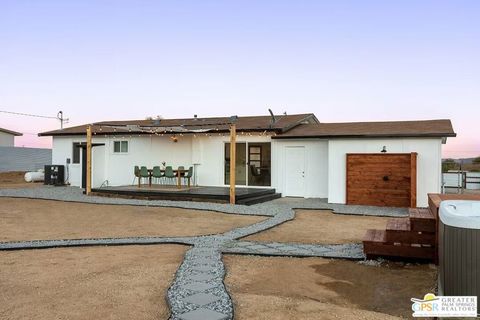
255 156
120 146
76 152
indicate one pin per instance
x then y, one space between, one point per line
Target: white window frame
247 185
120 142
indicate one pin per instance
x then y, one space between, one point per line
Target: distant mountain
462 160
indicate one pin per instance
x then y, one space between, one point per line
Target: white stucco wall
62 148
6 139
210 155
429 163
145 151
316 166
117 168
325 174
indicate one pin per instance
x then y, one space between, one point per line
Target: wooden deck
245 196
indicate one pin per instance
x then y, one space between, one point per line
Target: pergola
233 139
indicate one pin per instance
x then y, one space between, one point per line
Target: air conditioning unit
54 175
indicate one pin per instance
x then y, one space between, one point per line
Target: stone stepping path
198 291
352 251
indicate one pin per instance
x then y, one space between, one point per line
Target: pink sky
342 60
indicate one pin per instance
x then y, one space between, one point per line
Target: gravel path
270 208
45 244
198 291
352 251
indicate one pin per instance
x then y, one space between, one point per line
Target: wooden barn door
382 179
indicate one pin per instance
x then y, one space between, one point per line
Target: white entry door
295 171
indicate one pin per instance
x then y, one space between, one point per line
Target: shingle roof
11 132
250 123
419 128
286 127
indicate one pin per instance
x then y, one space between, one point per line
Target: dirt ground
24 219
315 288
321 226
127 282
15 179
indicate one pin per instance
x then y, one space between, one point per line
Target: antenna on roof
273 117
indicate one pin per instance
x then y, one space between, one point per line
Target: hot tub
459 248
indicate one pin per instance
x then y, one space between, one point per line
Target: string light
96 129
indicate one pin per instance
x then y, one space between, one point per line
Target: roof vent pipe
273 118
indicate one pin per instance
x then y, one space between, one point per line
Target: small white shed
7 137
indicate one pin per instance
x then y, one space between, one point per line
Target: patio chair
144 173
136 173
169 174
180 172
188 176
157 173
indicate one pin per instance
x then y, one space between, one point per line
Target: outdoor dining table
178 173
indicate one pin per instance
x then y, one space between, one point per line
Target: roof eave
331 136
64 134
13 133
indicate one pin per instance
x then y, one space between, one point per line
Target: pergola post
88 188
233 151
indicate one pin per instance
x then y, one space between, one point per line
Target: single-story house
7 137
379 163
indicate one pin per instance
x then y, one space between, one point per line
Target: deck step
398 224
375 245
398 231
373 250
259 199
248 195
421 213
374 236
422 220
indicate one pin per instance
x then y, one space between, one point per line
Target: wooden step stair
413 237
374 236
398 231
422 220
375 245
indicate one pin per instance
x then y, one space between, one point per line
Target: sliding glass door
253 164
240 164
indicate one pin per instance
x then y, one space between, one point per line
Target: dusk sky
342 60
